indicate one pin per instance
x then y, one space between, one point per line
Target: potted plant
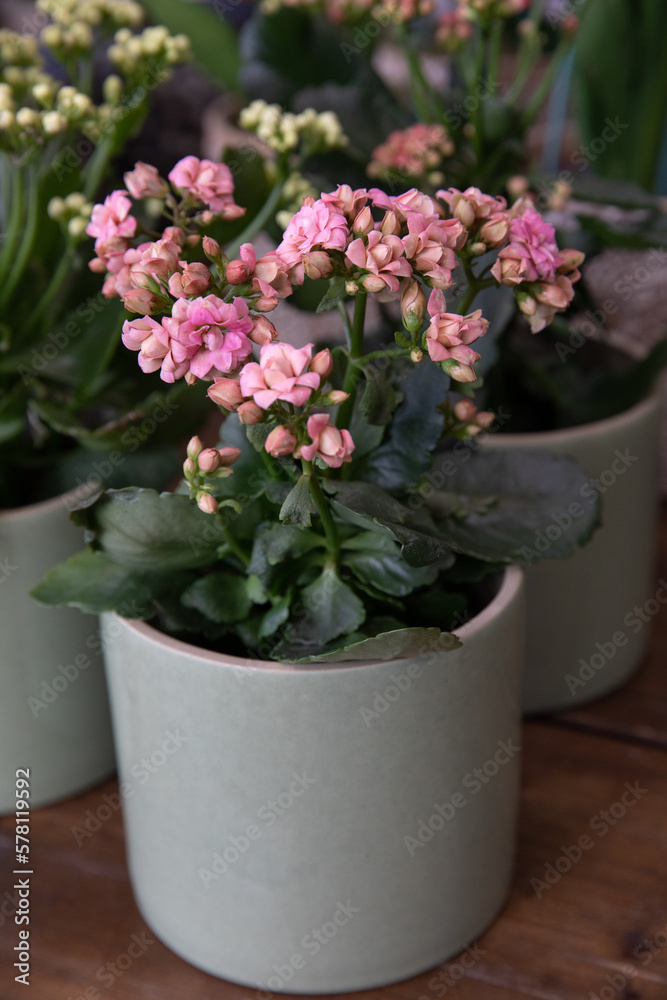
577 398
71 414
323 658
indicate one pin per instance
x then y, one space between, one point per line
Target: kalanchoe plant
59 131
345 512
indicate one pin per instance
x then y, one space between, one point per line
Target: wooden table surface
598 931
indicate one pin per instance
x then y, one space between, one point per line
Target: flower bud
572 259
317 264
363 224
280 442
458 372
209 460
207 503
226 392
335 397
228 456
413 306
189 468
194 447
390 225
322 364
484 419
351 287
250 413
236 272
206 217
212 249
53 123
477 249
373 283
263 331
416 355
465 410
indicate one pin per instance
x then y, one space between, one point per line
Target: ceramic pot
322 828
589 616
54 711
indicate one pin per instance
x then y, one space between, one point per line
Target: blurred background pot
54 712
585 636
321 828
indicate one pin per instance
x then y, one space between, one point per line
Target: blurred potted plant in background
71 410
345 522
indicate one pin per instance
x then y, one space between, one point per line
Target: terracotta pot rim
510 586
595 427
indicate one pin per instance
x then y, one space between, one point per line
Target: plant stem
13 194
260 220
30 231
59 275
495 43
346 324
96 167
399 352
475 285
233 544
356 352
323 509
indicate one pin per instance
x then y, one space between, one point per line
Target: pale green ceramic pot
54 712
323 828
589 616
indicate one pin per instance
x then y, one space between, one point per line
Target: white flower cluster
284 131
130 51
72 212
92 12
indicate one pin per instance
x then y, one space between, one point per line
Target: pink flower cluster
207 183
533 261
412 152
448 337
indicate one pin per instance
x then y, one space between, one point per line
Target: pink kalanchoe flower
226 392
281 441
454 28
282 373
430 246
532 254
328 443
471 205
209 183
403 205
250 413
211 334
145 182
151 339
449 335
413 151
347 201
153 262
263 331
193 280
314 228
112 218
383 258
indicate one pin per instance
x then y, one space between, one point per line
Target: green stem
233 543
260 220
57 279
400 352
476 113
95 168
529 51
541 92
346 324
495 44
29 234
323 509
475 285
13 231
356 351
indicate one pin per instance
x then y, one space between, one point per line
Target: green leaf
275 617
275 543
334 294
222 597
369 507
146 530
324 609
389 646
376 560
214 43
416 429
298 506
12 413
94 583
532 516
379 399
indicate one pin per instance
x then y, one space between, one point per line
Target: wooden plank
638 710
557 943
